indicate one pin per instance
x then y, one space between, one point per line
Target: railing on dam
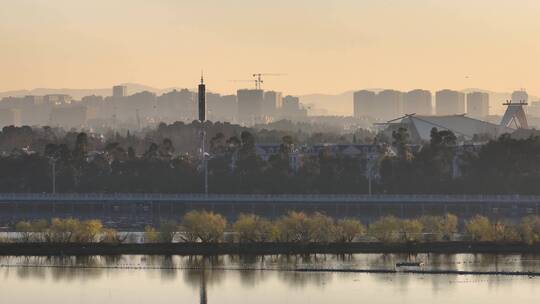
262 198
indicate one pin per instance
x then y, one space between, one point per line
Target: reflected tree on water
196 265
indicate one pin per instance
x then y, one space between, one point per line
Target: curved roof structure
461 125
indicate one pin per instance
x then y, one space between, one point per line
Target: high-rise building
221 108
272 103
214 106
250 105
388 105
10 117
449 102
57 99
202 101
69 116
291 103
417 102
34 111
292 108
229 108
137 106
520 97
92 100
534 109
478 104
95 107
119 91
364 103
32 100
177 106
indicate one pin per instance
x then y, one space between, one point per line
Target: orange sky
322 46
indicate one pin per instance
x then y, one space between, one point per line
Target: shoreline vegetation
209 233
213 249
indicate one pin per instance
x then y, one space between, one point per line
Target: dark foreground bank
47 249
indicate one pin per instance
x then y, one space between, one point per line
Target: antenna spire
202 77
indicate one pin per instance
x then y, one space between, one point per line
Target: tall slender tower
202 119
202 100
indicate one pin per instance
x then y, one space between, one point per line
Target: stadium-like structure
420 126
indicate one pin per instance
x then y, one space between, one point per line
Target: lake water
233 279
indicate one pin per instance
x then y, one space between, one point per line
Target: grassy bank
54 249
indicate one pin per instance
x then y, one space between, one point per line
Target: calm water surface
233 279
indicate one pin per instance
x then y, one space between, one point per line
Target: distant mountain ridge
132 88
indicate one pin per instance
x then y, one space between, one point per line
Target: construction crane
258 78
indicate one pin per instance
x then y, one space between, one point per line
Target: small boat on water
409 264
412 262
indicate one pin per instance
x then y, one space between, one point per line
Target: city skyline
322 47
304 151
319 104
409 102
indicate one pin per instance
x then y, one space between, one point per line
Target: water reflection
215 266
206 277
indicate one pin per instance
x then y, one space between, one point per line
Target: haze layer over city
324 47
269 151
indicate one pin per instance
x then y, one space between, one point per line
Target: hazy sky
324 46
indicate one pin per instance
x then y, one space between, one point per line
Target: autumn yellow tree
436 228
348 229
62 230
450 226
111 236
479 228
25 231
39 227
505 232
410 230
529 229
293 227
208 227
151 235
386 229
322 228
253 228
88 231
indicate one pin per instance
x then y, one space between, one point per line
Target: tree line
294 227
505 165
166 160
85 163
184 136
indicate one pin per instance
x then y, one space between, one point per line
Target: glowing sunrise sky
323 46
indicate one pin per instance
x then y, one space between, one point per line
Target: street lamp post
53 169
369 181
370 166
205 161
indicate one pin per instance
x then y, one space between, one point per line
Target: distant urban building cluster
478 104
385 105
391 104
145 108
520 96
417 101
448 102
35 110
257 106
